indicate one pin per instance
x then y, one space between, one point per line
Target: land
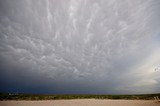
14 96
81 102
9 99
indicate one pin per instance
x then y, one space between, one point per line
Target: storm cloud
80 46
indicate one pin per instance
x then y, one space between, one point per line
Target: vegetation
9 96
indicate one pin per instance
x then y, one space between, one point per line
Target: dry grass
81 102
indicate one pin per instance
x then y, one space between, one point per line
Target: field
81 102
8 96
77 100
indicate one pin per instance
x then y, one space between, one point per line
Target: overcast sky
80 46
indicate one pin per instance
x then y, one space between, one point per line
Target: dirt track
81 102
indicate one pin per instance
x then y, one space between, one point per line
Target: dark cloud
79 46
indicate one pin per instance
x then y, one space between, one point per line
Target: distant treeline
9 96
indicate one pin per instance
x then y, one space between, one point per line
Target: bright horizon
80 46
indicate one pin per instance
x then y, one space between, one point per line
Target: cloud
79 46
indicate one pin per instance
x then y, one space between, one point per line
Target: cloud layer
80 46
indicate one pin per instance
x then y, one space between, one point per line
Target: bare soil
81 102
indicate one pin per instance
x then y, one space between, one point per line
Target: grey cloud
80 46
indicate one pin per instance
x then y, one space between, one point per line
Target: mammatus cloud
79 46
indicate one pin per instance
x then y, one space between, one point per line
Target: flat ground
81 102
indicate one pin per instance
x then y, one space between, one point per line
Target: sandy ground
81 102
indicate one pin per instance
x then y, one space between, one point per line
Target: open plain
81 102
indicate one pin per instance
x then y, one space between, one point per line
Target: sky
80 46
